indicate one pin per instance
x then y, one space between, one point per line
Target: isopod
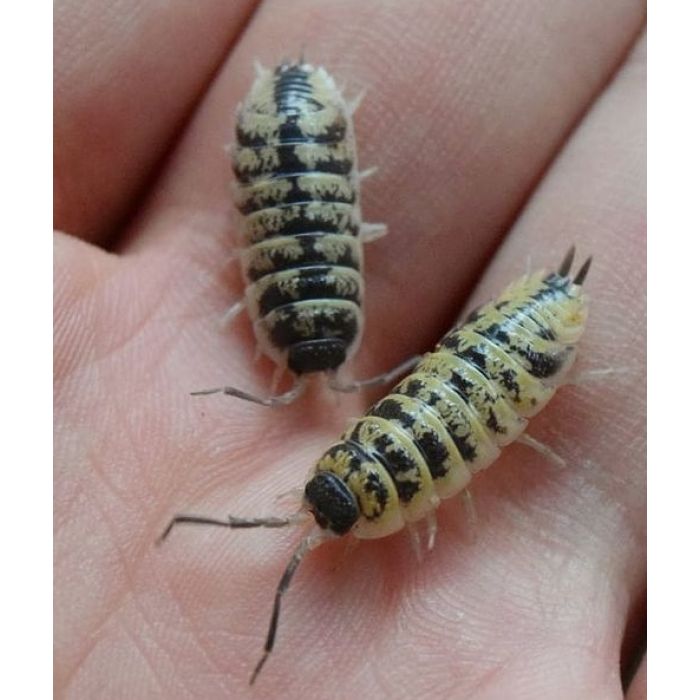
295 164
445 421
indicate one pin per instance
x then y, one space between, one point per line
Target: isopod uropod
298 191
442 423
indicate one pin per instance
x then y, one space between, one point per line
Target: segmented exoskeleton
298 191
444 422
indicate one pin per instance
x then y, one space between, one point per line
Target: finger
463 112
126 76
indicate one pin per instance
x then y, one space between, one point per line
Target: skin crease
503 135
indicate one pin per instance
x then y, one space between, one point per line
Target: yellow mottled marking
334 247
324 185
311 154
262 192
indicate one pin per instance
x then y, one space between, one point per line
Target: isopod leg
367 172
431 523
372 232
416 543
384 378
415 535
230 315
543 449
590 376
470 516
355 102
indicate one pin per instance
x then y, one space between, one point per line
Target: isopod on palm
444 422
295 163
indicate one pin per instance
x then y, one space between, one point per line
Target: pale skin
502 136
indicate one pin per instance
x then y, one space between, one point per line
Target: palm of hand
536 602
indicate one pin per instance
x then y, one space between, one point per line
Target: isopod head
332 503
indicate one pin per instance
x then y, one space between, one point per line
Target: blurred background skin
503 132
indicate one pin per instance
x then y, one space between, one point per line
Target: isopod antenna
233 522
307 544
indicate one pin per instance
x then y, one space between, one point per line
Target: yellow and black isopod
295 163
444 422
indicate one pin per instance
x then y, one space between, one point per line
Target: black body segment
316 355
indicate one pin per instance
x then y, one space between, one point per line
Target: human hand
502 135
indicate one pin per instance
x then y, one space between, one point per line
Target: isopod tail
568 260
583 272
